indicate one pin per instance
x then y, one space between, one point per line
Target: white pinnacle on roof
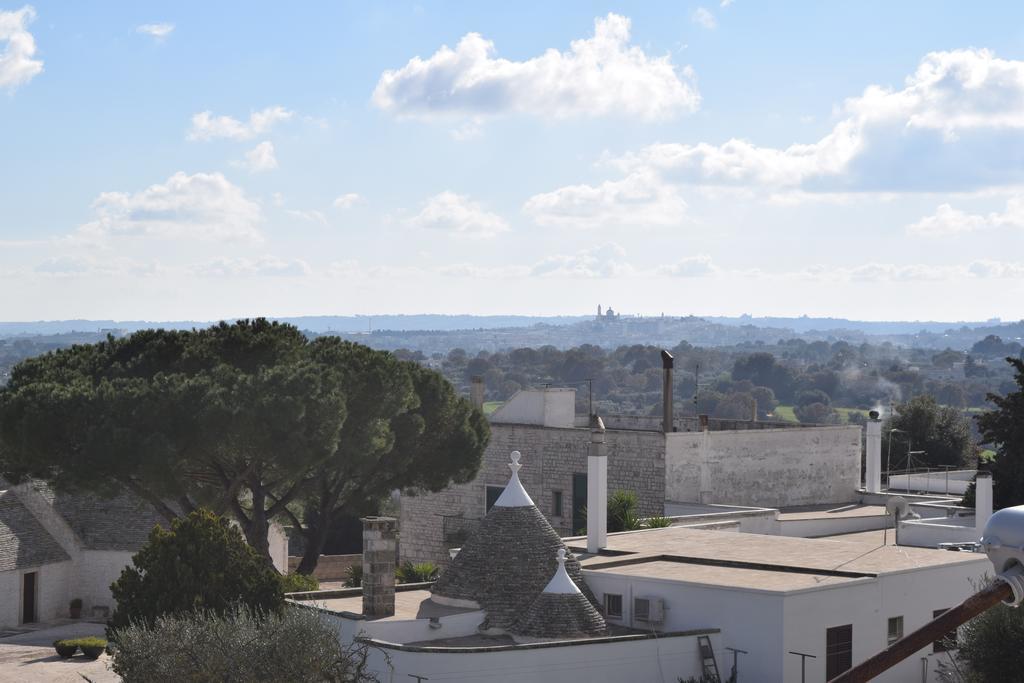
514 495
561 582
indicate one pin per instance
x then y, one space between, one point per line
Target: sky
194 160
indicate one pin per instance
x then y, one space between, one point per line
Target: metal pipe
934 630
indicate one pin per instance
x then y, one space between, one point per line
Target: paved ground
29 657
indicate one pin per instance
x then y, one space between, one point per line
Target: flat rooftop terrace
770 580
808 512
773 553
414 604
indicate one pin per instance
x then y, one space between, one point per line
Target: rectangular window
493 493
838 650
946 642
895 630
613 605
556 503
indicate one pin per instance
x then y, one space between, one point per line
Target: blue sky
204 160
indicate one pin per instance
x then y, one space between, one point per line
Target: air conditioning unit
650 610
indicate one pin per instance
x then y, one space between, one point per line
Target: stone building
732 462
57 546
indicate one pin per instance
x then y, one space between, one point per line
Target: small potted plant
65 648
92 647
75 608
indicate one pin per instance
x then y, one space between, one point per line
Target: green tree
1003 427
816 413
763 370
202 562
943 433
241 644
250 419
990 644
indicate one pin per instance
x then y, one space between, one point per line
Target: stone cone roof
560 615
506 563
560 611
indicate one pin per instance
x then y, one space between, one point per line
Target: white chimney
667 362
982 499
597 488
873 459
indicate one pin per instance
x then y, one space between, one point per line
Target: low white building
55 547
673 601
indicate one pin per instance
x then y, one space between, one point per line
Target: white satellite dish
901 508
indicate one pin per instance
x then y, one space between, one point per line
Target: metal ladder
707 658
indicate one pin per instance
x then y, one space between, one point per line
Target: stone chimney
667 363
476 392
873 454
597 488
753 410
982 500
379 566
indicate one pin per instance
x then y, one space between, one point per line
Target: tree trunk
316 538
258 526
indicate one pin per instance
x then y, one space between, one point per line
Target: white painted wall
814 528
955 482
406 630
550 407
764 467
770 624
52 594
660 659
930 533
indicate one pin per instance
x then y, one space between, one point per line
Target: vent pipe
873 454
597 488
666 391
476 392
379 547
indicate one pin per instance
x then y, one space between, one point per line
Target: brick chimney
379 566
476 392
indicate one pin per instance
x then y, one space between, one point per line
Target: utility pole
803 661
696 388
734 675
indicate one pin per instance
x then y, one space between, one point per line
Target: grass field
786 414
491 406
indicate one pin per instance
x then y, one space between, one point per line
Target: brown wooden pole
934 630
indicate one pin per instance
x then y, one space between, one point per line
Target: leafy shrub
622 511
292 645
990 643
657 522
65 648
91 647
354 576
299 583
202 562
416 573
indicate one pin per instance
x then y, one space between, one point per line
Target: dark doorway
28 598
579 502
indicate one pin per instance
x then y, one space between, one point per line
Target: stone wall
328 567
550 457
766 468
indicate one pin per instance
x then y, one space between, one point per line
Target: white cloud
602 75
949 221
639 199
261 267
311 215
606 260
203 206
261 158
206 126
347 200
691 266
725 3
955 126
703 17
17 67
458 215
158 31
72 265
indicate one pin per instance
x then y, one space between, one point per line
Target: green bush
292 645
657 522
354 576
299 583
416 573
202 562
65 648
990 643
